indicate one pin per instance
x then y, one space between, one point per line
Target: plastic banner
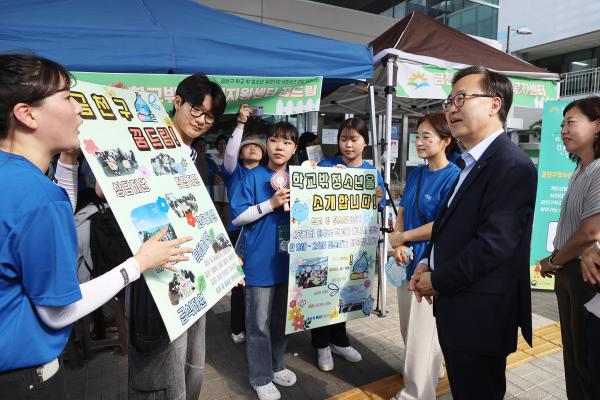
276 95
428 82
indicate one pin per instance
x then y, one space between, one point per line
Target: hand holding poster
151 183
333 239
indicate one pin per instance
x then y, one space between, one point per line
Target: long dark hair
440 125
590 107
27 78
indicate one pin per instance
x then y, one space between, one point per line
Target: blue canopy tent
179 36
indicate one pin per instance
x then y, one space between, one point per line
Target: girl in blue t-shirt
424 194
353 139
40 296
260 209
240 157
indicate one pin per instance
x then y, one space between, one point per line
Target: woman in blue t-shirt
259 207
353 139
40 296
424 194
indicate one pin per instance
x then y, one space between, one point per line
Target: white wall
309 17
550 20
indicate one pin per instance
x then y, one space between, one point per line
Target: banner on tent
554 170
429 82
333 239
151 183
276 95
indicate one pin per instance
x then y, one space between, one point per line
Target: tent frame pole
388 138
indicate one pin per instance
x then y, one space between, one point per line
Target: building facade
565 39
361 21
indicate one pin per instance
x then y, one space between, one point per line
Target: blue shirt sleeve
243 196
45 243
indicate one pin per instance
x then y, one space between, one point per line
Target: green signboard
554 170
276 95
429 82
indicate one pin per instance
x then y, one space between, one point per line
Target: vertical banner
554 170
276 95
150 182
333 239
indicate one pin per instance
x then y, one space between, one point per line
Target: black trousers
237 321
332 334
593 345
24 384
572 293
474 376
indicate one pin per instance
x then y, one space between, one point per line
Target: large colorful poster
428 82
333 239
150 182
275 95
554 171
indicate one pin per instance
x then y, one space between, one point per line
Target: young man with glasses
477 266
159 369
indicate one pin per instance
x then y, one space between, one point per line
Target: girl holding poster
426 189
40 296
261 210
353 139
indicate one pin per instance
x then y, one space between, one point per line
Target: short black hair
285 130
194 89
221 137
492 83
359 125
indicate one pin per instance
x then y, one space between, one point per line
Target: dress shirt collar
477 151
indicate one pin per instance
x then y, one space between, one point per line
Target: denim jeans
265 331
173 372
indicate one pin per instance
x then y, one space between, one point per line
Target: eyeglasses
197 112
459 99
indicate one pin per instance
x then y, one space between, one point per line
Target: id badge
283 234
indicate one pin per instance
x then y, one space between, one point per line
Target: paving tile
534 394
379 341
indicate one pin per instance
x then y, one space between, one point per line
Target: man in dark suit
477 266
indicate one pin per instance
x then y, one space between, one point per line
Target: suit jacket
482 245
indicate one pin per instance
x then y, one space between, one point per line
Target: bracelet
240 122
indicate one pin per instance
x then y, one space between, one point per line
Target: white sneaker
285 377
267 392
239 338
348 352
324 359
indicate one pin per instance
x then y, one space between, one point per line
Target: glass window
463 15
580 60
